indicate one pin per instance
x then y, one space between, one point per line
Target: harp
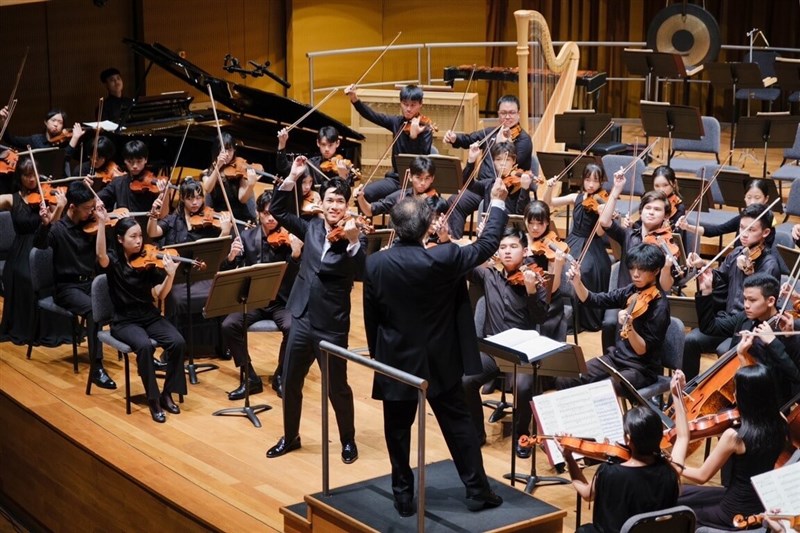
531 26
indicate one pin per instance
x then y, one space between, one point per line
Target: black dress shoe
405 507
523 452
282 447
277 385
156 412
484 500
349 452
103 380
166 402
159 365
256 387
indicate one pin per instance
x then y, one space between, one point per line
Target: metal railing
420 384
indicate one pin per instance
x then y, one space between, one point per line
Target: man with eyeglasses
510 131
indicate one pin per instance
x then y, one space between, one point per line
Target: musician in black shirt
115 106
119 194
328 141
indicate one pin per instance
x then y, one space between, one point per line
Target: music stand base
533 481
193 369
249 411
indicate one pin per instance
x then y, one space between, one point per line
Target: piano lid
239 98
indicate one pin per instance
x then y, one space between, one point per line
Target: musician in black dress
238 188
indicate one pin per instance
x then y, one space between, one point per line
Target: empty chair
765 60
789 170
708 144
792 208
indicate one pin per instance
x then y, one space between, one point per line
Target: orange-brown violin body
423 121
8 160
205 219
637 305
592 202
152 257
237 169
111 171
706 426
599 451
542 246
147 183
279 238
362 223
65 135
49 192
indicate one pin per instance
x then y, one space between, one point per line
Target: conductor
418 319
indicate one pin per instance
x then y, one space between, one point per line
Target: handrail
420 384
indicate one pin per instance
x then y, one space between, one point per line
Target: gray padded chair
765 59
792 208
671 359
678 519
42 281
611 164
708 144
6 240
789 171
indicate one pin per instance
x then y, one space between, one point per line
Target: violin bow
406 179
314 167
699 200
294 124
385 153
733 241
792 281
222 147
463 97
475 171
96 136
585 151
175 164
36 172
710 182
12 101
490 135
385 49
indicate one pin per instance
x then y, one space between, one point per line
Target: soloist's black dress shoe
349 452
166 402
484 500
405 507
256 387
103 380
283 447
156 412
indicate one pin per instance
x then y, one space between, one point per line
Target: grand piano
253 117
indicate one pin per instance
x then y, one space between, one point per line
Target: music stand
573 128
665 120
377 240
661 65
634 395
734 76
552 164
733 185
568 362
683 308
776 130
232 291
211 252
787 70
449 174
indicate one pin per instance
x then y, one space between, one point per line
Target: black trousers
302 348
137 335
380 189
77 298
466 205
234 333
595 372
695 345
458 430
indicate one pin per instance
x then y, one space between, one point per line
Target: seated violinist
664 180
643 318
328 162
644 483
239 179
756 323
422 174
266 243
105 169
753 256
310 201
136 320
138 188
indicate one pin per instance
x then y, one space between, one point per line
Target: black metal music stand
665 120
568 362
776 130
658 65
378 240
449 174
232 291
211 252
552 164
787 70
733 185
734 76
577 129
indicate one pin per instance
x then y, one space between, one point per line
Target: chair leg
36 313
75 333
127 383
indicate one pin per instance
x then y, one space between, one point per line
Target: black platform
371 503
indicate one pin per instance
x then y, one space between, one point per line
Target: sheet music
588 411
780 489
106 125
527 341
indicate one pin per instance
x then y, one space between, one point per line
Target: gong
685 29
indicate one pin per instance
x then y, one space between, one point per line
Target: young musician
115 106
265 243
752 449
239 187
320 305
54 136
104 161
74 257
515 297
636 352
119 193
596 266
187 223
328 141
430 335
753 256
664 180
646 482
310 201
781 355
416 136
136 319
19 303
423 173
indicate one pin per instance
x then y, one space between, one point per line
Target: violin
311 203
8 160
362 223
706 426
592 201
637 305
518 277
512 180
746 522
209 218
674 202
662 237
111 171
152 257
793 421
423 121
237 169
49 191
147 183
279 238
514 132
600 451
65 135
331 166
113 217
548 245
746 261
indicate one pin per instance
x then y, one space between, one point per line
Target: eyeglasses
507 113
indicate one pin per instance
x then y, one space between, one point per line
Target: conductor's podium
369 506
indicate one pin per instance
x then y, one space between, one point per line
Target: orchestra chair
612 163
6 240
712 216
678 519
708 144
792 209
765 59
789 171
671 360
43 282
103 313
